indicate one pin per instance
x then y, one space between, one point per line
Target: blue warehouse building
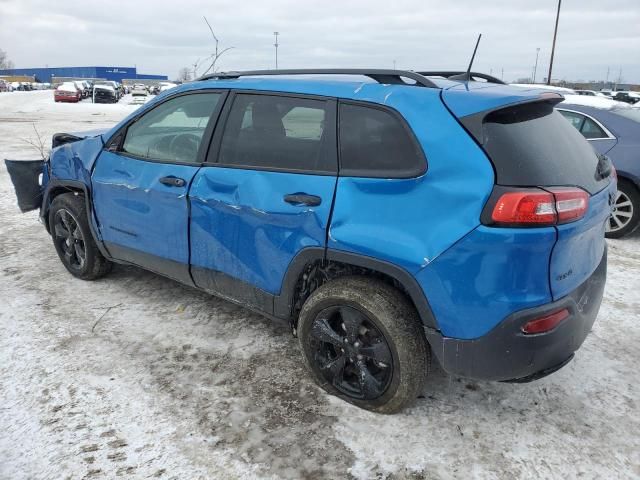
48 75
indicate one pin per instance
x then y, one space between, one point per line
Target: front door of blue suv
141 180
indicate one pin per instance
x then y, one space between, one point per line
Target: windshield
630 113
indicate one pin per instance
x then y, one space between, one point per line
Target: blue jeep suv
389 216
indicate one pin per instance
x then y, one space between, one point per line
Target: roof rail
452 74
394 77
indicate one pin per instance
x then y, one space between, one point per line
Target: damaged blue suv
389 216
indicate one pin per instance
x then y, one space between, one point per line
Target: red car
67 92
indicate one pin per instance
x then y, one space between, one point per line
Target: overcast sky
161 36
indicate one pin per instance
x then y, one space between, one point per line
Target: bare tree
217 53
184 74
37 143
4 60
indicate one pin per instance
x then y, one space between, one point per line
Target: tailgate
580 245
531 146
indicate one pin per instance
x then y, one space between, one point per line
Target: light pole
553 47
275 34
535 68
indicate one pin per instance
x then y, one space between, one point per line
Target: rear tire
73 240
362 341
626 215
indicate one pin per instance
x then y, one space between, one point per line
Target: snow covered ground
136 376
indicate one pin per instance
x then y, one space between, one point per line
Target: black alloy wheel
351 352
69 238
72 238
362 341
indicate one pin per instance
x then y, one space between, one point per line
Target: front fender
74 161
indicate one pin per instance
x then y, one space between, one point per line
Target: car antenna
466 77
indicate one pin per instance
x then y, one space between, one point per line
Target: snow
597 102
104 87
550 88
137 376
68 87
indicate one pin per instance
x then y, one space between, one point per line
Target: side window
591 129
375 143
587 127
274 132
172 131
575 119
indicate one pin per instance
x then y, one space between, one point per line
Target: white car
139 89
166 86
590 93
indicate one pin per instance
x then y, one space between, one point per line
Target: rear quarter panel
409 222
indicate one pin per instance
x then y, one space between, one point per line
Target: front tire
73 240
626 215
363 342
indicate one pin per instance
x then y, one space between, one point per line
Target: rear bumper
506 354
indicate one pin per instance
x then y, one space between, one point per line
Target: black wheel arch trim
283 304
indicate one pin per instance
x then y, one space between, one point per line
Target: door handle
173 181
303 199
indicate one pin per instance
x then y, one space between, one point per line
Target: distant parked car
167 86
627 97
4 86
67 92
590 93
139 89
616 133
104 94
109 83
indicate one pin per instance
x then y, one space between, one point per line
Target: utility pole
535 68
606 82
275 34
553 47
394 64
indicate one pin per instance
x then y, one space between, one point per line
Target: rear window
533 145
376 143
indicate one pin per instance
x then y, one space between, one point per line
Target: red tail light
538 207
546 323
